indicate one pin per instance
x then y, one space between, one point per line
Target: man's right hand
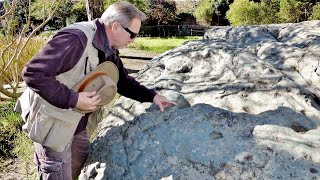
88 101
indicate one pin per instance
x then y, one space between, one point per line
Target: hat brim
107 68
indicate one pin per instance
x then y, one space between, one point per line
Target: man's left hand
162 102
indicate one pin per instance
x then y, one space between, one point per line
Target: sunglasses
132 34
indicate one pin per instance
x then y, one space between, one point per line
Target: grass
24 151
160 45
33 46
13 142
9 123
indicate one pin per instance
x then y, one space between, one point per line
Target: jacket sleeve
59 55
129 87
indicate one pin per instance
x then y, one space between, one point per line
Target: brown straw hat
103 80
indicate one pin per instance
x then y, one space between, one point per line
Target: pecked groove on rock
248 108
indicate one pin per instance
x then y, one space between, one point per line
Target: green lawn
160 45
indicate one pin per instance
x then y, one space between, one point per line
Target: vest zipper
85 66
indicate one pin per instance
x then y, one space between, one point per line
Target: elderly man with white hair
56 121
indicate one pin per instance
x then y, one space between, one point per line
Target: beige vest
51 126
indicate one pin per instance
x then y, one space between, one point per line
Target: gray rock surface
248 108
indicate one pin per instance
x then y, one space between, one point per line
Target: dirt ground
13 170
134 65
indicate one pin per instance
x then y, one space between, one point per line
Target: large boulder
248 108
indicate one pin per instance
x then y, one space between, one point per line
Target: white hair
122 12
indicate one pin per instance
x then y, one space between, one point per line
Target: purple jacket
61 54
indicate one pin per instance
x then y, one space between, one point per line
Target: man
55 69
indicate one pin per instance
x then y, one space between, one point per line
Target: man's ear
115 26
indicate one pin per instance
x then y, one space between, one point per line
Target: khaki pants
65 165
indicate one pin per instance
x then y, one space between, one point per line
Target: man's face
126 35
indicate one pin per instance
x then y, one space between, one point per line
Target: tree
295 10
15 41
142 5
186 6
271 11
212 12
94 9
315 12
78 12
162 13
67 12
220 8
245 12
204 12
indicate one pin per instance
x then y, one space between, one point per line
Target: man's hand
162 102
88 101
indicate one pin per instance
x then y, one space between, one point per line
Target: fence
172 30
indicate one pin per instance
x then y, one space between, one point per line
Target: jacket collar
100 39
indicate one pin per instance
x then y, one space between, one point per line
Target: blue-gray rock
248 108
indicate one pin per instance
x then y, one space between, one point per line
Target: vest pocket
40 126
53 127
60 135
